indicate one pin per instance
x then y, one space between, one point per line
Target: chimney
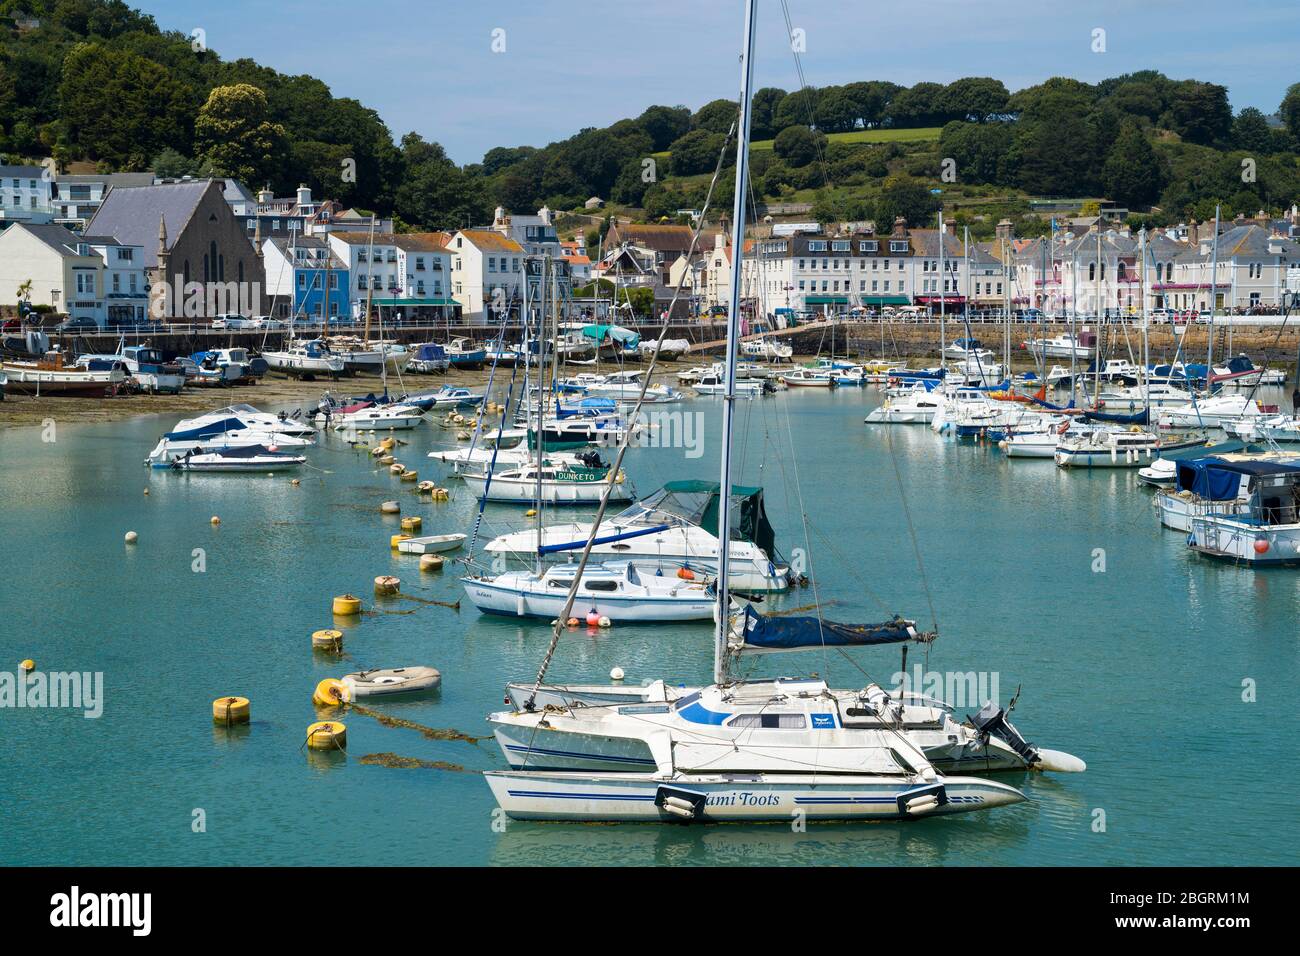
900 226
950 227
264 195
304 196
1004 230
1193 233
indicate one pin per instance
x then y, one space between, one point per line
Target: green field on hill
924 134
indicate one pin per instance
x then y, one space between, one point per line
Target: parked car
234 322
80 323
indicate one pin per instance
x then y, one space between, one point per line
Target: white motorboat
713 383
766 349
1160 473
913 405
431 543
175 445
1136 397
306 361
1108 448
1283 429
248 459
674 528
248 417
1213 411
1260 523
448 396
391 682
151 372
620 386
959 350
396 417
1060 346
428 358
369 358
498 450
807 378
618 590
552 484
463 353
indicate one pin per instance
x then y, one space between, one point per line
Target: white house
75 198
124 281
486 272
24 195
536 234
65 271
406 273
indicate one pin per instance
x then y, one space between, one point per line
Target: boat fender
604 622
679 807
593 619
922 804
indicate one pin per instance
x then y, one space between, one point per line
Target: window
302 280
898 246
492 263
869 245
840 245
817 246
769 721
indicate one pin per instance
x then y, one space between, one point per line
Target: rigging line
628 433
911 531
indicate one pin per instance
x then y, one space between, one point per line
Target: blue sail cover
1213 479
1137 418
207 431
764 633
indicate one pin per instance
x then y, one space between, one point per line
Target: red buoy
1261 546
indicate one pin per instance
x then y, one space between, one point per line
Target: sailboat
734 750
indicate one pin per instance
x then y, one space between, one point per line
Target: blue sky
428 65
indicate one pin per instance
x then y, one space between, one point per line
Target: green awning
827 300
401 302
886 300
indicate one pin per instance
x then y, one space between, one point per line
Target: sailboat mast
370 288
1214 296
1142 290
943 289
733 325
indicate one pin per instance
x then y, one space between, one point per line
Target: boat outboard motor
992 721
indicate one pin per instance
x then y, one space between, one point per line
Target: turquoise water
1138 669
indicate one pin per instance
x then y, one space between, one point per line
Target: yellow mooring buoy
230 710
331 693
431 562
413 523
346 605
327 735
27 666
387 585
327 639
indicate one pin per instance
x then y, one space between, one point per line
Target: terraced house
403 276
486 273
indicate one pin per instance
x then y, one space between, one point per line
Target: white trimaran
734 750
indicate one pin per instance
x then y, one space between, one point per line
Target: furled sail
765 634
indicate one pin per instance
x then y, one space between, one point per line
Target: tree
1055 155
978 149
120 107
906 197
1201 113
1132 175
435 193
233 131
921 105
1290 109
836 112
8 97
870 100
974 98
762 109
171 164
665 124
717 116
796 109
1251 132
797 145
696 152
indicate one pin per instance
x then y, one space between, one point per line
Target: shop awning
885 300
412 302
827 300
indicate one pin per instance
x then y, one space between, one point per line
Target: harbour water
1132 652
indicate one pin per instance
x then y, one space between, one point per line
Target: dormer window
869 245
898 245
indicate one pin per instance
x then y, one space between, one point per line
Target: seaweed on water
388 759
432 733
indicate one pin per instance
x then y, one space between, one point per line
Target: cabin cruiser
1108 448
1263 525
675 527
619 590
959 350
370 416
214 433
571 483
449 396
914 405
250 417
1283 429
501 449
714 382
1216 410
807 378
1062 346
151 372
307 361
767 350
620 386
463 353
428 359
1136 397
